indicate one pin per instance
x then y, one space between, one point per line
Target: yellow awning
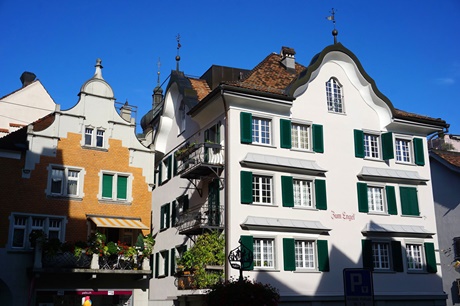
119 223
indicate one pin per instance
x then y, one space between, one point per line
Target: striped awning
114 222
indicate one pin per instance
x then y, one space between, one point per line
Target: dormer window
94 137
334 96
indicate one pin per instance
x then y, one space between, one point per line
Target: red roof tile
451 157
201 88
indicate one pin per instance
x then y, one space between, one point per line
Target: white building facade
311 169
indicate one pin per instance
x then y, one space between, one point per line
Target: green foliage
207 251
96 244
112 248
242 293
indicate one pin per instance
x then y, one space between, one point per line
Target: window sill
108 201
163 229
404 163
261 204
376 213
306 271
417 272
302 150
64 198
305 208
374 159
261 269
384 271
411 216
94 148
262 145
337 113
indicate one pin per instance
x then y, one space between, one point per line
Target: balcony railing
200 160
194 220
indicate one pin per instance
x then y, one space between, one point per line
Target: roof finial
158 73
332 18
177 56
98 73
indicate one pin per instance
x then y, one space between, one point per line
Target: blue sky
410 48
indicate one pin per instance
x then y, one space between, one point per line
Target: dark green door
213 203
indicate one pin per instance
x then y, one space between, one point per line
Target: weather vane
332 18
159 65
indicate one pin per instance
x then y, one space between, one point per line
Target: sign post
358 287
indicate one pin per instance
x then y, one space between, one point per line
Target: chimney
125 112
27 78
288 59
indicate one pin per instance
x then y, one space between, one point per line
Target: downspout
226 179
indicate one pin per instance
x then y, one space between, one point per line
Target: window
165 170
381 255
164 216
334 96
261 131
161 263
414 257
376 199
22 225
94 137
302 194
262 189
300 135
264 253
64 181
403 152
305 254
371 146
116 187
410 150
183 117
456 246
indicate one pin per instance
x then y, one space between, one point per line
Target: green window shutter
391 200
396 255
387 146
246 127
409 201
160 173
246 187
287 191
162 218
418 152
320 195
318 142
166 263
157 263
363 205
122 187
368 263
169 163
185 204
359 143
173 261
285 133
173 213
248 242
289 254
430 257
107 185
323 255
168 214
174 166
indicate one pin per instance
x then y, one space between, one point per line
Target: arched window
334 96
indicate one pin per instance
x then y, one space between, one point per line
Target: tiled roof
451 157
403 114
269 76
201 88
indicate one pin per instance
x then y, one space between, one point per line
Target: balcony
189 280
194 221
200 160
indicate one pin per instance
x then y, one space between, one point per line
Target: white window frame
264 259
334 95
258 123
161 265
129 183
303 193
404 154
262 184
381 255
300 136
166 166
35 222
94 137
372 199
372 146
415 256
65 180
306 257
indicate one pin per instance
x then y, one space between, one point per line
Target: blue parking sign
358 287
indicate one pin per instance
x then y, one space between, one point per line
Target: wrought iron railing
204 216
199 153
